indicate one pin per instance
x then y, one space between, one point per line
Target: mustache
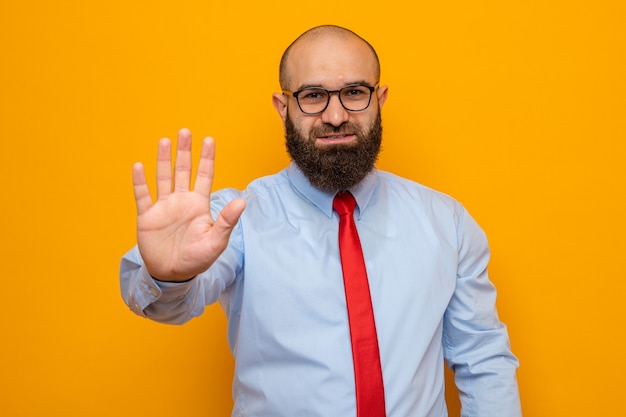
327 129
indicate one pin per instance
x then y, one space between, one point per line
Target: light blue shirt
281 286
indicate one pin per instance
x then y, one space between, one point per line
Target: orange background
516 108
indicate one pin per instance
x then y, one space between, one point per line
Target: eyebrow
305 86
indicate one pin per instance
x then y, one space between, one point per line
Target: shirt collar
323 199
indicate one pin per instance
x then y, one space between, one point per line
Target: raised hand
176 235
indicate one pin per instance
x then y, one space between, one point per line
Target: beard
335 167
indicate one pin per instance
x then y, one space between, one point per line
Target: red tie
368 376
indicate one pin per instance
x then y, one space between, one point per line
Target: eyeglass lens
353 98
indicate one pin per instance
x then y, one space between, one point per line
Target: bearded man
320 325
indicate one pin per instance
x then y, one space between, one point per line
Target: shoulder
258 188
268 184
412 192
418 201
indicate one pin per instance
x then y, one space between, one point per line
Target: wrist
172 281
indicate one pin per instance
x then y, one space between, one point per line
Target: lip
336 138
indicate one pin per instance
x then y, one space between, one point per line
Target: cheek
372 119
304 125
363 122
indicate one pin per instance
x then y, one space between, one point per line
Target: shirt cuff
150 290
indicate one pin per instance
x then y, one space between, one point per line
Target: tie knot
344 203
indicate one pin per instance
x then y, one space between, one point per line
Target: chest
292 262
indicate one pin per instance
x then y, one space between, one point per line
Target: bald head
316 36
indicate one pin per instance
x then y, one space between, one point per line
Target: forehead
330 62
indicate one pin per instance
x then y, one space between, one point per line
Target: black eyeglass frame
295 94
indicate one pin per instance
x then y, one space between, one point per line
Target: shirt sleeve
476 343
177 303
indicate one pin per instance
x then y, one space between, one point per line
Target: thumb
228 218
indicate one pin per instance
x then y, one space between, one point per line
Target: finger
204 176
143 200
164 169
182 168
227 219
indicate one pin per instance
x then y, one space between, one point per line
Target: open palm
176 235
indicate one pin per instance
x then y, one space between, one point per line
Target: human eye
354 92
312 95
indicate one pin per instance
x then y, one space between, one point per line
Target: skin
176 234
332 62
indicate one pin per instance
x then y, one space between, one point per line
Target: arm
178 240
178 302
160 301
476 343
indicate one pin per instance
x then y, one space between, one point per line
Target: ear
280 104
382 92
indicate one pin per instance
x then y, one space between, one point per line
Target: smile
337 138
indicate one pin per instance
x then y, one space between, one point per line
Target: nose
335 114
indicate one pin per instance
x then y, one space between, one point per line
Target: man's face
334 166
335 149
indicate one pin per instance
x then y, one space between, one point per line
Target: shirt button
154 291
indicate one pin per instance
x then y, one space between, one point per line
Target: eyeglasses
314 100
